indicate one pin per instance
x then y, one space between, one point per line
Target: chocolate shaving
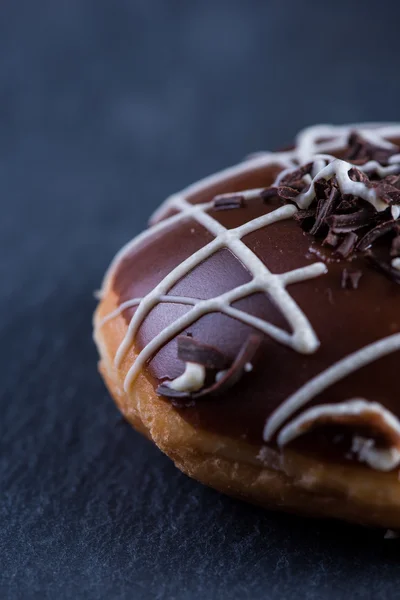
348 204
226 378
298 184
228 202
386 192
297 175
322 189
357 147
191 350
303 215
393 180
348 245
287 193
237 368
363 150
377 232
345 222
351 278
324 209
395 247
357 175
349 222
332 239
270 192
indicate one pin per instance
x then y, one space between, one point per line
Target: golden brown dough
252 333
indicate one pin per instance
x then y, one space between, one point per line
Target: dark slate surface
105 108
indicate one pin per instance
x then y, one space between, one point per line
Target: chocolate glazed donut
253 331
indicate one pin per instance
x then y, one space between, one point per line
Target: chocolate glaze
344 318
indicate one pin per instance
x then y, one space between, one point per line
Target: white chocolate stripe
321 382
135 301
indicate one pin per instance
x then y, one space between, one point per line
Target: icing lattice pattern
312 145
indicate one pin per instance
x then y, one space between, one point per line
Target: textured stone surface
105 108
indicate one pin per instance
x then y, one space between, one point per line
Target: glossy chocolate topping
349 307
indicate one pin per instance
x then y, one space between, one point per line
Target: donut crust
275 479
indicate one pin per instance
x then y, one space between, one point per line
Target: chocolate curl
224 381
363 150
348 245
377 232
237 368
191 350
332 239
386 192
297 175
349 222
304 217
287 193
393 180
324 209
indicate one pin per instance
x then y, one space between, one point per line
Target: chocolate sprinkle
348 245
298 174
324 209
393 180
228 202
351 278
344 222
363 150
374 234
386 192
287 193
191 350
302 216
357 175
349 222
332 239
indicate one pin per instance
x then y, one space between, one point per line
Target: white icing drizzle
382 459
303 338
335 373
340 169
191 380
313 144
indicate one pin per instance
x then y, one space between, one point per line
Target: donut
252 332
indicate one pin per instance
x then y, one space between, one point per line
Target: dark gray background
106 107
